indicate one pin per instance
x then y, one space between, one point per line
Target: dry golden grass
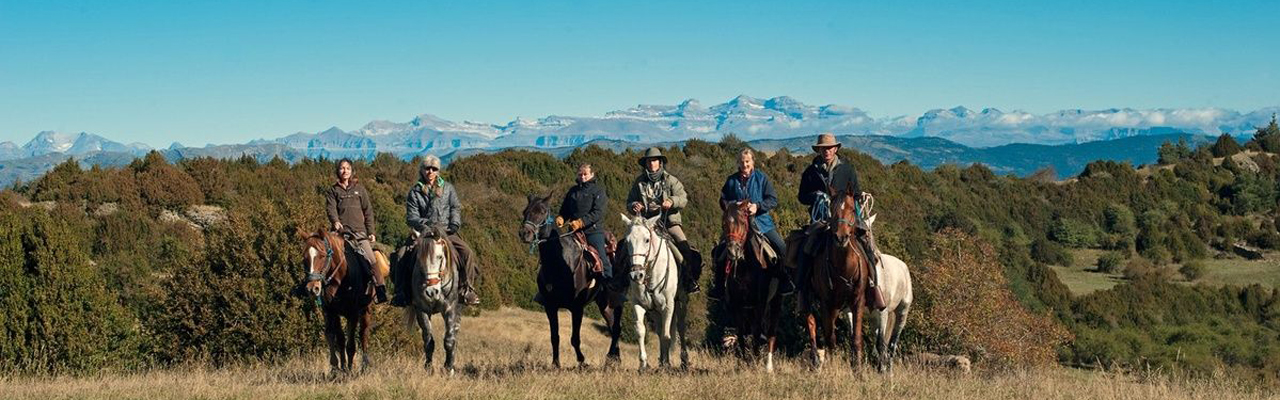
505 354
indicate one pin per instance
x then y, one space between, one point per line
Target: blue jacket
758 190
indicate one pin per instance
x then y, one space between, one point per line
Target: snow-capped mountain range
746 117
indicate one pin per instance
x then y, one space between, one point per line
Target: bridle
650 256
537 229
328 274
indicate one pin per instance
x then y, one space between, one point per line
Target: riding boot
380 293
873 281
692 268
468 292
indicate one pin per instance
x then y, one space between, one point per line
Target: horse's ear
548 197
531 197
625 220
301 233
871 220
651 222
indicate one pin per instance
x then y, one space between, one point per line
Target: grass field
504 354
1081 278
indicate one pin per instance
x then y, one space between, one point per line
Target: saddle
381 263
583 259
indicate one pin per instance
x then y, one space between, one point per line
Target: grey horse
435 291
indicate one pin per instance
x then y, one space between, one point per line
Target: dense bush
965 307
1110 262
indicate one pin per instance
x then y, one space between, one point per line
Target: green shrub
1192 270
1110 262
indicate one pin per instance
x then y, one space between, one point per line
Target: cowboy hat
825 140
652 152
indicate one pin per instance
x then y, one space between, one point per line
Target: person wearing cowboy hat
433 203
816 187
657 192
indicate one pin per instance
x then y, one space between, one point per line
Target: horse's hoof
451 371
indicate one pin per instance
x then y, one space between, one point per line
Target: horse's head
323 260
643 242
433 259
736 224
846 217
537 214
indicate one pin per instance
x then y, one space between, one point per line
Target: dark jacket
351 207
646 191
427 207
756 189
585 201
817 179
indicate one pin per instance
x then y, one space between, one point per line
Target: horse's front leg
349 357
812 324
640 335
829 315
612 312
428 339
366 320
859 307
882 339
452 322
553 318
682 326
576 340
664 335
333 335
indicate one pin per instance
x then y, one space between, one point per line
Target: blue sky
229 71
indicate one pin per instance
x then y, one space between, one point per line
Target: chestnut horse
751 292
342 292
556 284
839 280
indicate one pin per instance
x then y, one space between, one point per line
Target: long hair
337 167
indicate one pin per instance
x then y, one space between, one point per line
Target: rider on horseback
753 187
583 210
816 184
351 213
431 203
657 192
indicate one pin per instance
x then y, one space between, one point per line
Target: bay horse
751 292
556 286
342 293
839 280
655 287
435 290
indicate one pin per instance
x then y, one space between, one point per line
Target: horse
751 292
556 287
840 278
895 286
341 292
436 291
655 286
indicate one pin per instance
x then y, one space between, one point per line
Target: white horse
895 287
655 288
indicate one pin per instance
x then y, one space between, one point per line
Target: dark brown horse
342 292
839 279
751 292
556 285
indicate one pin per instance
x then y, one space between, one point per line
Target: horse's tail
409 320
